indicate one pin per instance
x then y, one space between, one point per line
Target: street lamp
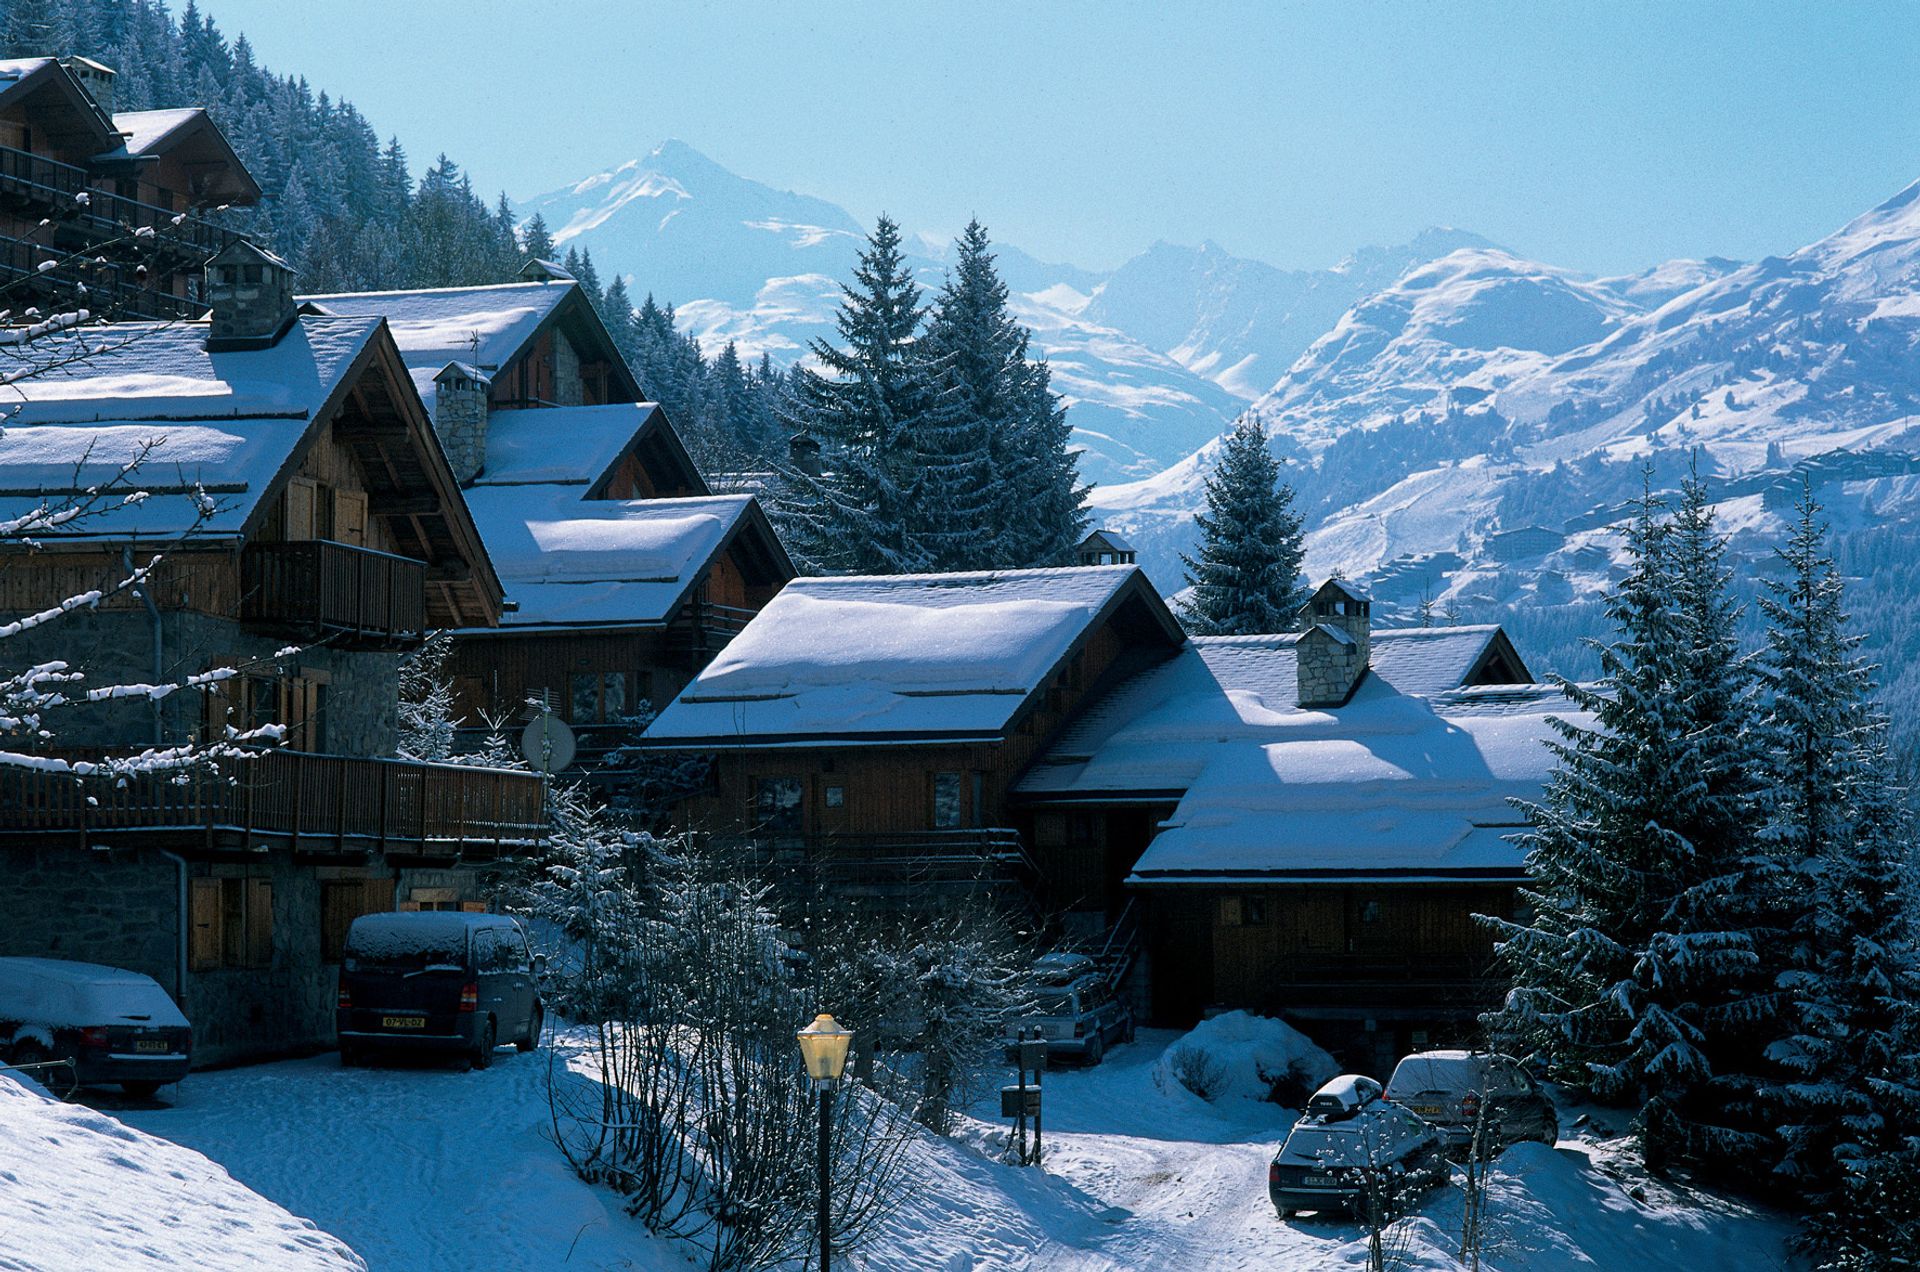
823 1049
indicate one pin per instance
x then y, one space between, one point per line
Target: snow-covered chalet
624 573
1303 823
310 531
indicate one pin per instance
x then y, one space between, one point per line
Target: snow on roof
570 561
485 326
145 129
913 655
1388 786
1155 731
229 420
569 444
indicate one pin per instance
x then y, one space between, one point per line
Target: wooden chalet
311 531
624 573
77 177
875 727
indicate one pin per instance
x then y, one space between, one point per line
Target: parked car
437 981
1452 1088
1351 1140
1075 1009
114 1025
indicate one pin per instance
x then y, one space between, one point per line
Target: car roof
435 920
77 973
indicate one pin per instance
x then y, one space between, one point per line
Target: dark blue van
435 980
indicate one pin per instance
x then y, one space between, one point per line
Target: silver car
1459 1090
1075 1009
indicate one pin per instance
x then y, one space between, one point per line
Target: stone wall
116 647
568 387
1327 669
119 907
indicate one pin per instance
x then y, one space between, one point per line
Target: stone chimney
804 452
460 417
251 293
1336 639
95 78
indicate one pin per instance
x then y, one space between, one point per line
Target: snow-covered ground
81 1190
420 1169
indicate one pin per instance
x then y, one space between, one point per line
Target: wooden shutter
300 503
350 517
259 922
203 918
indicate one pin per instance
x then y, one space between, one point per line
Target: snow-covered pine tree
1850 1111
865 515
1621 976
1246 579
536 241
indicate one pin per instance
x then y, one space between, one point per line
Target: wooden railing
986 855
316 803
1366 978
113 291
57 184
704 627
355 595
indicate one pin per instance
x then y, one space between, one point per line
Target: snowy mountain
1482 394
1241 322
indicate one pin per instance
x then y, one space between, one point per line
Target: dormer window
250 275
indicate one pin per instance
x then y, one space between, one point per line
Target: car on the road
1458 1091
436 980
111 1026
1075 1009
1353 1148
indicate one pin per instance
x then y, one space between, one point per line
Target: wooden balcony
332 805
55 187
351 597
984 857
702 629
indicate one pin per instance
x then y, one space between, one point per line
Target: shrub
1290 1087
1198 1070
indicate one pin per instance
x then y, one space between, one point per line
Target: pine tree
1011 487
868 515
536 241
1632 969
1247 576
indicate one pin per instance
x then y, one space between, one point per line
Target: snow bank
1253 1051
80 1190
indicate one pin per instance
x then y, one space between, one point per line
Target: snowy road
423 1169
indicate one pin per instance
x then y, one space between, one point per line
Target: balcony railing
702 627
112 290
334 804
984 856
48 181
353 596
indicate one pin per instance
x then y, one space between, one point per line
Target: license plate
151 1044
1318 1181
1428 1110
403 1022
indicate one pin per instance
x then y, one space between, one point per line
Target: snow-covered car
113 1024
1455 1090
437 981
1352 1143
1075 1009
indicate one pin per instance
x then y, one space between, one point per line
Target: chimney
251 292
1336 639
804 452
460 417
95 78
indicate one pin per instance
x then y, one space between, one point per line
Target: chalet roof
579 445
567 561
23 77
1106 539
228 420
486 326
903 657
1391 787
1340 587
1152 735
146 130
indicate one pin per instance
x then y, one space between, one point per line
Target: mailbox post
1021 1101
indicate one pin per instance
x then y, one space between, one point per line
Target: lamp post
823 1049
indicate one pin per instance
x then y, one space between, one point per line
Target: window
231 923
779 805
1242 910
598 697
1369 911
343 901
946 801
486 951
836 797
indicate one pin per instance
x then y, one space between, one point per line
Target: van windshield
400 951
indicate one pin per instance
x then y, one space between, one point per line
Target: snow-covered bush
1247 1056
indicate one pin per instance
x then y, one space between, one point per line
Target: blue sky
1603 137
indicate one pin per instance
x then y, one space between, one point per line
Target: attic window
250 274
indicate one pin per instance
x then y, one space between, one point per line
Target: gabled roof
487 326
88 127
572 562
1107 540
146 135
584 445
1149 738
231 421
926 657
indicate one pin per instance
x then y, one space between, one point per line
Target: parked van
112 1025
437 981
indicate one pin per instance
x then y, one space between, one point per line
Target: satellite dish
547 743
